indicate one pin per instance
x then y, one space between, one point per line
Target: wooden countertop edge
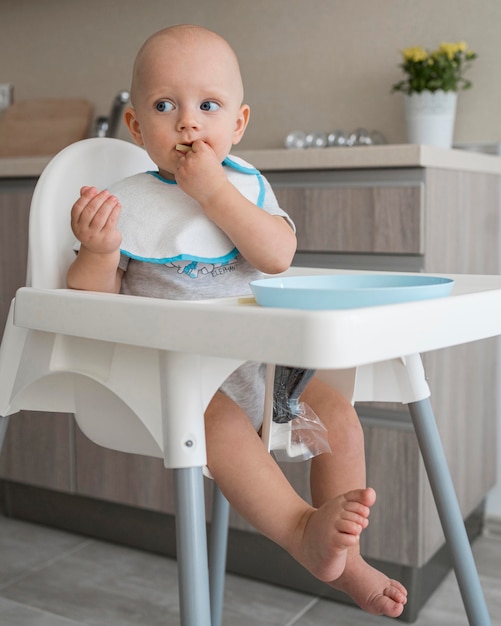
372 157
23 167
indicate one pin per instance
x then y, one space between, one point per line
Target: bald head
186 86
175 44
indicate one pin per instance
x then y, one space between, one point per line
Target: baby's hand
94 218
199 172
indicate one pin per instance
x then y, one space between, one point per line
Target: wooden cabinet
343 217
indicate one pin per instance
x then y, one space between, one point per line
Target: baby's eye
210 105
163 106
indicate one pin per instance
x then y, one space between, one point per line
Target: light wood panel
118 477
38 450
375 219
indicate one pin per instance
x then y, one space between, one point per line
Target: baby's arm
266 241
94 218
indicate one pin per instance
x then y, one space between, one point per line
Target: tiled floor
53 578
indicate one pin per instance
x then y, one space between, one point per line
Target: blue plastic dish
347 291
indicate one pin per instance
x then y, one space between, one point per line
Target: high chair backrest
95 162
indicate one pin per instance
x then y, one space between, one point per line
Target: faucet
107 126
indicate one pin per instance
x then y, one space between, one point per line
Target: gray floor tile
24 547
14 614
325 612
103 584
251 603
52 578
487 553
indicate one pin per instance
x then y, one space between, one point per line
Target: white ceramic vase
430 117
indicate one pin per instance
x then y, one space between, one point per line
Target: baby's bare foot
372 590
330 530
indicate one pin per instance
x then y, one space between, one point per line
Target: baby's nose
187 119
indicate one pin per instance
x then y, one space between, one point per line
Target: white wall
321 64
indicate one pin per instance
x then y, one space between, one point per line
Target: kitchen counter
23 167
360 157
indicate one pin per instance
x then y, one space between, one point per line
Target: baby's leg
334 474
256 487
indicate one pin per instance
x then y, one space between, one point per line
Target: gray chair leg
218 544
191 541
450 514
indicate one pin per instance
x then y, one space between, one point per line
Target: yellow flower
415 54
450 49
443 68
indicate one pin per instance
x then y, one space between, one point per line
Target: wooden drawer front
380 219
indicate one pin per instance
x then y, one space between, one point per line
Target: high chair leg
191 541
218 544
449 512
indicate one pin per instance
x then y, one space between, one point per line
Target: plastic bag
301 438
297 433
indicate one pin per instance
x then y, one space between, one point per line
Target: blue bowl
347 291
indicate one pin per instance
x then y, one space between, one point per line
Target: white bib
160 223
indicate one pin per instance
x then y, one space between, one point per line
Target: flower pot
430 117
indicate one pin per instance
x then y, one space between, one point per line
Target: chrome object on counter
107 126
295 140
337 138
316 139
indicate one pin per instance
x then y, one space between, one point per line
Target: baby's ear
242 121
132 123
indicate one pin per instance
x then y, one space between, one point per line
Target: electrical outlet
6 95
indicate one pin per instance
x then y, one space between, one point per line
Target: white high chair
118 391
138 383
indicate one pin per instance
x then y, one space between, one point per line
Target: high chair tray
319 339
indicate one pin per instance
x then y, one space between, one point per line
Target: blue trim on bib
161 178
183 257
262 191
252 171
234 165
239 167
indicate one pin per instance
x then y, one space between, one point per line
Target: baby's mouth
183 147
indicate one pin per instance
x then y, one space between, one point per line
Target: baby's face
185 93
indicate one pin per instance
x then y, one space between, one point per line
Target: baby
203 226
